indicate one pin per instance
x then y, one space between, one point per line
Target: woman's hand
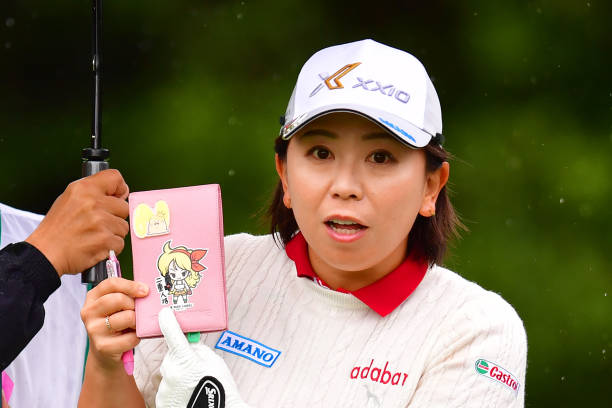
4 403
112 299
110 320
193 374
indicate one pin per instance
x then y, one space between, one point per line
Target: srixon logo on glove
209 393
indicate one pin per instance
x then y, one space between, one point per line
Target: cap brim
404 131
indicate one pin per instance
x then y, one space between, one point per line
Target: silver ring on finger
108 325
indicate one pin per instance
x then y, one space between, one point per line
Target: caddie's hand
84 223
192 371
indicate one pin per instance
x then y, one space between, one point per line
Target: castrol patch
498 374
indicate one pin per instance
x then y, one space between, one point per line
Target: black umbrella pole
94 157
96 273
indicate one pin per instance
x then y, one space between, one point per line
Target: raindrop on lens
9 22
231 172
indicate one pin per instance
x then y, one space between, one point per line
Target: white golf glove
192 374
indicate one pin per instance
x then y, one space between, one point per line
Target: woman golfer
345 304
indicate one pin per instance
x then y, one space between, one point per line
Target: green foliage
193 91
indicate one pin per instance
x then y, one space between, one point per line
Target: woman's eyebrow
319 132
376 135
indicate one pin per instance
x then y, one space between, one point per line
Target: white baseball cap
384 84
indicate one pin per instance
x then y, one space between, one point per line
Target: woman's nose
346 183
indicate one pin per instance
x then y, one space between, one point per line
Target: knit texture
337 352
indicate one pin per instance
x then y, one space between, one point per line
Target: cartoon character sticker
150 222
180 271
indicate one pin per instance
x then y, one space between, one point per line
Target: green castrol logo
498 374
482 366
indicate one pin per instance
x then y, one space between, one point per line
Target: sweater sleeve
27 279
479 358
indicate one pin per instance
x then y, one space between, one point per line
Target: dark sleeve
27 279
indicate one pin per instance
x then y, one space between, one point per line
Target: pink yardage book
177 247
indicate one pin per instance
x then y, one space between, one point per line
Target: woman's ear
433 184
281 169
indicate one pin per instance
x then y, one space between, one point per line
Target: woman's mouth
345 230
345 226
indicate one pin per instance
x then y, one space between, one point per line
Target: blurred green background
193 91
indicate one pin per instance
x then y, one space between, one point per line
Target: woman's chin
348 261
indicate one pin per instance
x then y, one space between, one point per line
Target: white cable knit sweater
450 344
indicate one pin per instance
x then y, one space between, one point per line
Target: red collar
382 296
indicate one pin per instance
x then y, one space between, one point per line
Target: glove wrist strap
208 393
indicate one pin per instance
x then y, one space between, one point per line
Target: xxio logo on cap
335 77
497 373
388 90
365 84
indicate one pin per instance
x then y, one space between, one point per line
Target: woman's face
355 192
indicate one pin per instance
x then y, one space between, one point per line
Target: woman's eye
321 153
380 157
